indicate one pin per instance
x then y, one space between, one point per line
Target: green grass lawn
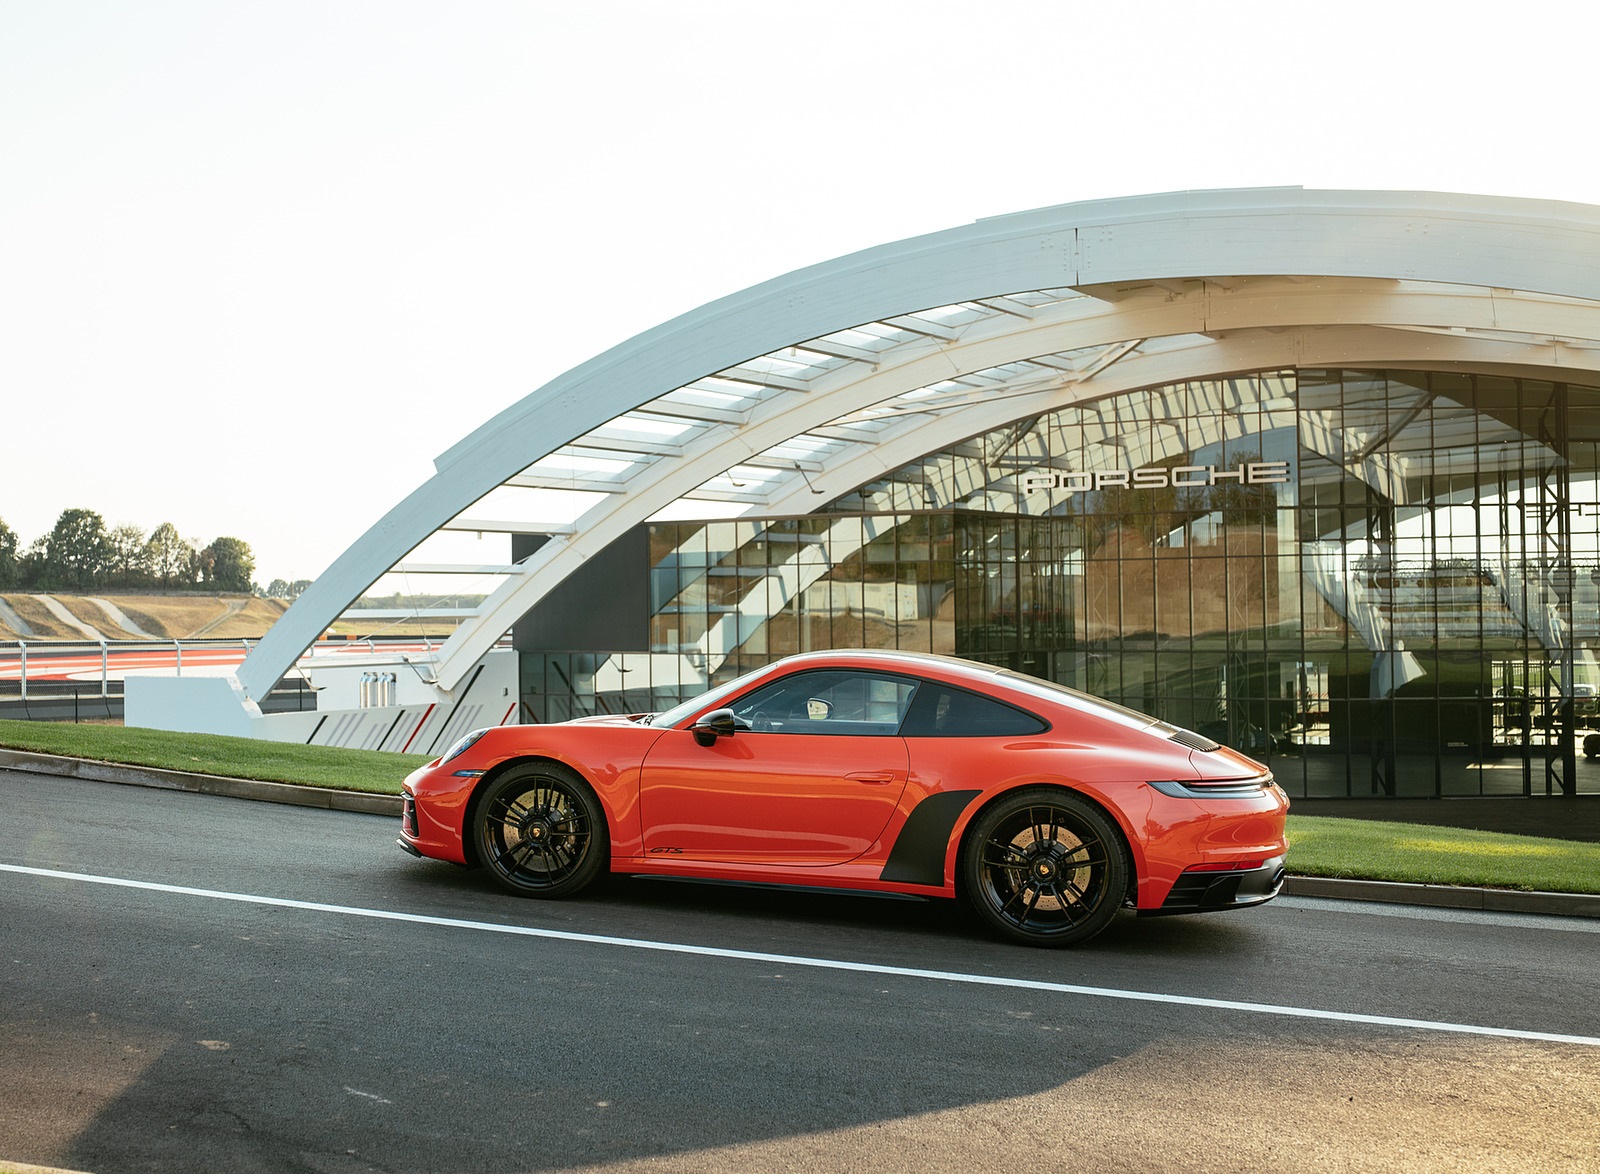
1367 849
212 754
1318 846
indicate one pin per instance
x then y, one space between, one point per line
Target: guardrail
29 665
26 664
75 701
82 680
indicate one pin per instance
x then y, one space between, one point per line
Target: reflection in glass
1380 582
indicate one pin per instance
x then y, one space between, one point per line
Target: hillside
136 617
180 616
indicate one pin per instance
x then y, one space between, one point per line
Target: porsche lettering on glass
1159 477
1045 809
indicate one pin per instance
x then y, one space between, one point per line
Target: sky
261 263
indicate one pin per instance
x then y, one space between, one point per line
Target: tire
541 832
1045 867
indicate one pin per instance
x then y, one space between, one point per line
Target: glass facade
1378 582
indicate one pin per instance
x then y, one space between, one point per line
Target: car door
811 776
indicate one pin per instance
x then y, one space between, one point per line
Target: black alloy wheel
1045 867
541 832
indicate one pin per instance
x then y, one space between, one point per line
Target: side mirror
719 723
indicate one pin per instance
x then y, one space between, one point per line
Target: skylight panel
816 360
860 337
778 363
884 336
715 390
804 447
657 428
957 315
564 462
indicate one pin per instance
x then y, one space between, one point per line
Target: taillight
1220 789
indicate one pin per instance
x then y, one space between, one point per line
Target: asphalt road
286 990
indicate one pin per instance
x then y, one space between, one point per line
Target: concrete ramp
59 610
12 620
122 620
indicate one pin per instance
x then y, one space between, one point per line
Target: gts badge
666 851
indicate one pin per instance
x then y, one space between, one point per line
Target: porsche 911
1046 809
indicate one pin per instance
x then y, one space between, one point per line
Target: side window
828 702
941 711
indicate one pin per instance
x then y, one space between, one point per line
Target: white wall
424 719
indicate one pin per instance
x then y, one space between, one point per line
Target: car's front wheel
540 831
1045 867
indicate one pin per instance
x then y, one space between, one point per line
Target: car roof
909 662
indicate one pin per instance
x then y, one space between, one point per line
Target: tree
8 555
79 549
278 589
33 568
1246 505
228 564
171 559
130 560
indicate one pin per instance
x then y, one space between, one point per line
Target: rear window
942 711
1087 701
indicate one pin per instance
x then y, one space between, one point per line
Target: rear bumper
1210 892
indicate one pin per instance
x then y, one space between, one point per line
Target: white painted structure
371 701
782 397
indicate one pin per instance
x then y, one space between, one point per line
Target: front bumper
408 823
1199 891
431 814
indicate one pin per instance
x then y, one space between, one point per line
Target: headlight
462 745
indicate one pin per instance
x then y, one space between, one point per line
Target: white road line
822 963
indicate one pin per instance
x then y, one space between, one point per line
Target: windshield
671 717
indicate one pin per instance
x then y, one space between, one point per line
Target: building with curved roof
1312 471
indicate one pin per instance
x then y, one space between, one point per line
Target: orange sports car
1046 809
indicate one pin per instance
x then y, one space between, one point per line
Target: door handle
871 776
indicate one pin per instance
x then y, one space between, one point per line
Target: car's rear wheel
540 831
1045 867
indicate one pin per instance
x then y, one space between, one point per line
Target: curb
329 799
1446 896
326 798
